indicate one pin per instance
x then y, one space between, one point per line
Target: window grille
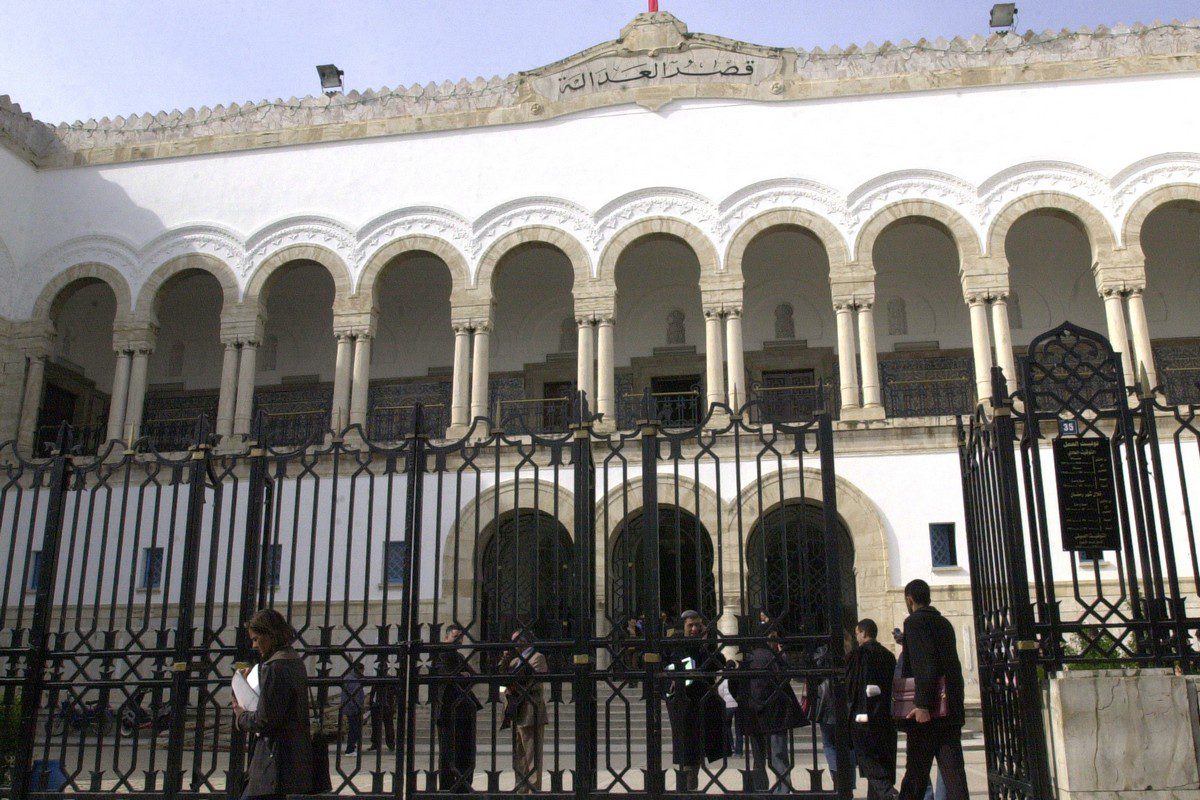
395 558
942 549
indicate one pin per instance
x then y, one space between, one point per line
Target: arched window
787 573
685 567
526 576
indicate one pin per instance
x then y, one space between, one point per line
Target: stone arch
148 295
860 516
964 235
301 252
464 538
581 263
624 500
449 255
1095 226
702 246
94 270
1144 206
825 231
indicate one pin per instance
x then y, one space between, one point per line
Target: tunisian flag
653 6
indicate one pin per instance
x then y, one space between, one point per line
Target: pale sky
65 61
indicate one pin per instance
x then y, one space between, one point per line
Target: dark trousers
353 730
875 750
934 740
734 737
382 720
770 749
456 753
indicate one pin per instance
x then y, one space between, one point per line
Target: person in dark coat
769 709
869 674
354 702
382 702
931 654
695 708
282 763
455 707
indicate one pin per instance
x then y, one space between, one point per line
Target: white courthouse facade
710 220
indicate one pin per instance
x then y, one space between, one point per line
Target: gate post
583 690
248 602
410 604
843 781
655 778
185 630
39 635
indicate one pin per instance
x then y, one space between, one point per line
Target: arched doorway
685 566
526 574
786 569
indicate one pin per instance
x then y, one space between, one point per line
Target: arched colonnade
1117 267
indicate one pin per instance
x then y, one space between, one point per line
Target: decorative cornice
655 61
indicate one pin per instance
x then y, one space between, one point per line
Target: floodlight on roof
331 78
1004 15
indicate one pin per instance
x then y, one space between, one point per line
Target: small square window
1091 557
152 567
395 558
943 550
274 564
35 571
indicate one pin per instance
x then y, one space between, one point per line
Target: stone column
1003 336
479 371
227 399
244 410
120 397
735 358
1143 354
359 396
340 408
1114 313
606 401
31 406
869 360
982 348
137 393
460 404
846 367
713 356
585 371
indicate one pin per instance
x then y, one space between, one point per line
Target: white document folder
245 689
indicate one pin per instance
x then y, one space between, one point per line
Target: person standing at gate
382 703
455 708
282 763
525 711
931 654
770 708
869 674
694 706
354 700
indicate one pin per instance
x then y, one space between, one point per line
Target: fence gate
1067 489
433 586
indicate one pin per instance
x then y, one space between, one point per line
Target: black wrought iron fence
85 439
406 569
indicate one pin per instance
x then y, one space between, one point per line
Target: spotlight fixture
1004 15
331 78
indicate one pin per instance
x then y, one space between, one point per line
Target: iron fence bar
655 778
843 781
1028 690
185 630
410 608
39 635
250 596
583 691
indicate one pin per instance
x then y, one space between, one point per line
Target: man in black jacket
455 707
696 710
869 674
929 649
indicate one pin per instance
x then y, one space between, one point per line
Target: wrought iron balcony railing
535 415
928 397
777 404
393 423
670 409
294 428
